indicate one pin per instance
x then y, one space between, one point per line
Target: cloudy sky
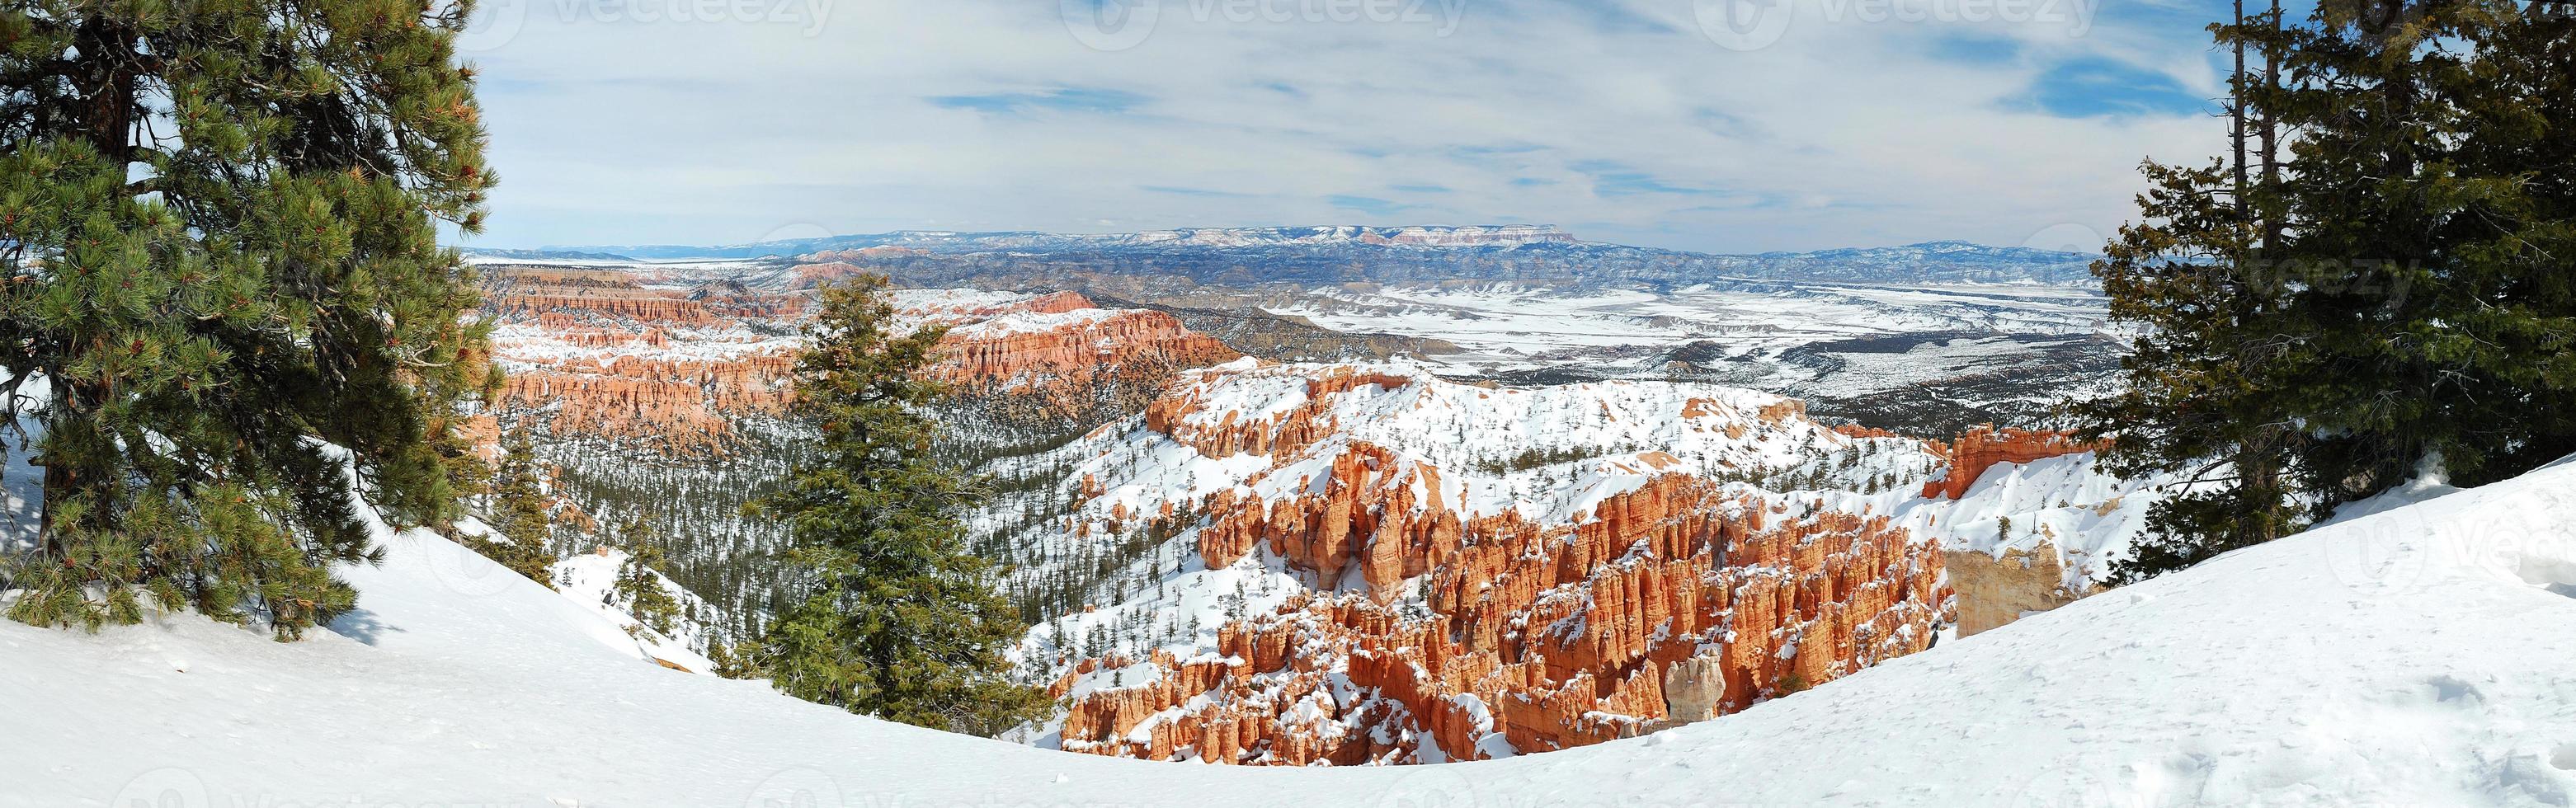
1718 125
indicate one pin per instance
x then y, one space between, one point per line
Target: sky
1711 125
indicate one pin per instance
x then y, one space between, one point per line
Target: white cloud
1617 119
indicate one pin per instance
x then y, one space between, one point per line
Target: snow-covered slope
2417 656
590 579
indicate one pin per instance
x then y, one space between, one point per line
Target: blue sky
1721 125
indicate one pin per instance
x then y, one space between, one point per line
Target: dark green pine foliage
2395 293
638 587
520 511
218 226
899 620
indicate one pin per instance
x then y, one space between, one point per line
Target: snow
590 579
2066 503
2414 656
2430 482
1032 323
1514 326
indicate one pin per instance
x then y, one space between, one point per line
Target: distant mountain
1344 254
1931 260
943 241
550 255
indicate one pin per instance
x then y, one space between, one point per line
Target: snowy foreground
2417 656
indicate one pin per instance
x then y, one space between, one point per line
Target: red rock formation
1372 510
1279 436
677 405
640 370
1548 637
1075 370
1983 447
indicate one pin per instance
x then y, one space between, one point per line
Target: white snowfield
2418 656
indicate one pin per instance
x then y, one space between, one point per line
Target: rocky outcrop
1985 446
1185 418
1669 603
1998 589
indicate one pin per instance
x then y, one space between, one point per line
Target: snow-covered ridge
1398 253
1415 236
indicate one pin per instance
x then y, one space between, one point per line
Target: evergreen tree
218 227
639 582
2393 294
899 620
520 511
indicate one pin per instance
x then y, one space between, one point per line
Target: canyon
1230 558
1403 595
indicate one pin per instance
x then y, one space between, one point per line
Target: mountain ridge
1345 253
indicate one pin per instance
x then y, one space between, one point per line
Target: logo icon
2067 237
494 24
164 788
795 788
461 570
1436 785
1742 25
1110 25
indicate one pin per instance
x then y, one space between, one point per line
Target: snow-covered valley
1147 552
2414 656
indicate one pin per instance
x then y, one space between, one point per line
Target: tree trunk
110 64
2271 120
2400 92
2236 106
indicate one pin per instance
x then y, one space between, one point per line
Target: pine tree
899 621
520 511
218 227
639 581
2391 294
